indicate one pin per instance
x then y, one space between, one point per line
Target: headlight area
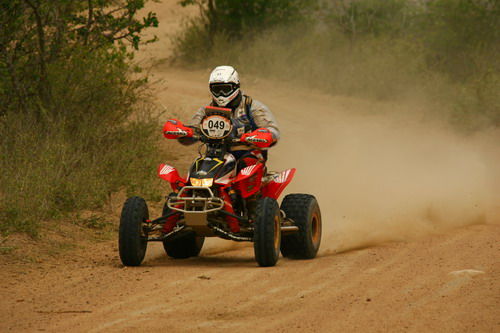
205 182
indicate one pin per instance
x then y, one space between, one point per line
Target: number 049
217 124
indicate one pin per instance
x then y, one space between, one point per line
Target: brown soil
395 287
411 234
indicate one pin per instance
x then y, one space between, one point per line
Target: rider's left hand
261 138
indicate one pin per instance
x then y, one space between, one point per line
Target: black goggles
223 89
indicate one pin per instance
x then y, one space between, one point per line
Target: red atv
223 197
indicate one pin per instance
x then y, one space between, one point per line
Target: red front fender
171 175
274 188
249 179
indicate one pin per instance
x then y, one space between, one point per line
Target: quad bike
223 197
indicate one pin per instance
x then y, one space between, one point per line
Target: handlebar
174 129
231 141
199 136
238 141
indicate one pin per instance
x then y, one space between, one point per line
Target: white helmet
224 84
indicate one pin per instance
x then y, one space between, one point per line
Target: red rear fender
171 175
274 188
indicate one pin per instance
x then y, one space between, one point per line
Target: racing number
218 124
216 127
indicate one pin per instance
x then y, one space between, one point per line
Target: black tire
183 246
267 232
304 210
132 242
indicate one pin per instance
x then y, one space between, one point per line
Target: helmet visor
223 89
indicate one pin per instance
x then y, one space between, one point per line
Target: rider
252 121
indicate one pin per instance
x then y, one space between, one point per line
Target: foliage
233 20
461 35
369 17
38 36
66 132
442 51
463 39
238 17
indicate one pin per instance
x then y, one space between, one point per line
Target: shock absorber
231 207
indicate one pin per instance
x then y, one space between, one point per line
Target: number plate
216 127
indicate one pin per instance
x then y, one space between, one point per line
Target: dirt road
396 287
411 239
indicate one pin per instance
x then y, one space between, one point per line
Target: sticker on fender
282 177
166 170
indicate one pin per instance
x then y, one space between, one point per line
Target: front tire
183 246
267 232
304 210
132 241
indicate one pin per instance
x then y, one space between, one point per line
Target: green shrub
74 124
232 21
369 17
462 37
61 165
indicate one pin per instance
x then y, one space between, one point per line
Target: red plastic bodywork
274 188
171 175
249 180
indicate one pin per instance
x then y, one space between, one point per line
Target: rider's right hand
261 138
174 129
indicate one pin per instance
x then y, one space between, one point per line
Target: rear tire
304 210
132 241
267 232
183 246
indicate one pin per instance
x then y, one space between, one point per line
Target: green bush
369 17
462 37
74 124
232 20
51 169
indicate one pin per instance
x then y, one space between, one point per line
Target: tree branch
43 86
89 22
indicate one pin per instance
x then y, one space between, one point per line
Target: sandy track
395 287
379 178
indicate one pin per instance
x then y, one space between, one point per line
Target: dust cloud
382 171
386 176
